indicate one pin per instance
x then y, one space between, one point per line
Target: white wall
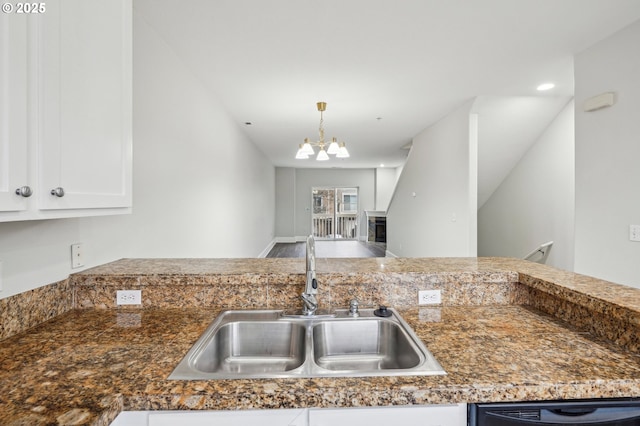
386 179
440 220
607 159
201 188
285 204
535 203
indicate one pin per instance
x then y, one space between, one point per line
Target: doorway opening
334 213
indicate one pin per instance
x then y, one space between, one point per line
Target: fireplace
377 226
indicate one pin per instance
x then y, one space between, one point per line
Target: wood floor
330 249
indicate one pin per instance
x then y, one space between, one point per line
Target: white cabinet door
426 415
13 111
286 417
84 104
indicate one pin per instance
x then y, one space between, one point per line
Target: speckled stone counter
538 339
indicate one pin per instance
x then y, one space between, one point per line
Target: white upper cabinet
78 98
84 47
13 113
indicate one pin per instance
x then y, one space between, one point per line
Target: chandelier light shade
342 151
322 155
301 155
305 150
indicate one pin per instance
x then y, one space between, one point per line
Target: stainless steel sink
253 348
368 345
268 344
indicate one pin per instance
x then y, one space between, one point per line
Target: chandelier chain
321 129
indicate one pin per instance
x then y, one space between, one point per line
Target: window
349 203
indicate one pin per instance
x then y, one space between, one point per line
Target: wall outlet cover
429 297
129 297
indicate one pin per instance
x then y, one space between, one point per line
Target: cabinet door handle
24 191
58 192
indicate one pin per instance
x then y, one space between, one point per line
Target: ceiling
386 68
507 127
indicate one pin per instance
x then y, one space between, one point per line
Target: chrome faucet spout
311 284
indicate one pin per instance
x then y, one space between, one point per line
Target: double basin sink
270 344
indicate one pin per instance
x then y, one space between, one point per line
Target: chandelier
333 147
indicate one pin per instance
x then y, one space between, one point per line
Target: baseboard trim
286 240
389 254
276 240
266 251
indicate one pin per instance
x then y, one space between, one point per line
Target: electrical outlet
129 297
76 256
634 232
429 297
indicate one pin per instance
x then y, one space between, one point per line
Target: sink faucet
311 284
353 308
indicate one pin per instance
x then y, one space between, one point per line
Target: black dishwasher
618 412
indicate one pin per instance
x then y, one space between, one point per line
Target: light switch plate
634 232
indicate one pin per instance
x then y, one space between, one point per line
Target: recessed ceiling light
546 86
381 165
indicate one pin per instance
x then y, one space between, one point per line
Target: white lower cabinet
291 417
424 415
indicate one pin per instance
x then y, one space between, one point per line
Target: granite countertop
87 365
